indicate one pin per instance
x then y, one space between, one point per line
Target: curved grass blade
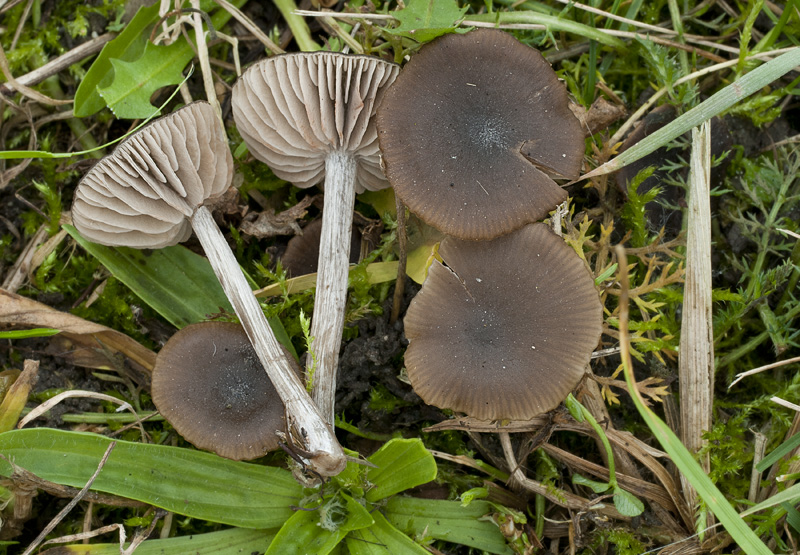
683 459
717 103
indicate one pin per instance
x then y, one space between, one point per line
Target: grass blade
683 459
722 100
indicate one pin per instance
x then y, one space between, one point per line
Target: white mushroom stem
332 271
326 455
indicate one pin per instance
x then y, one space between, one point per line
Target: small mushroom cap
293 109
209 384
143 194
506 329
302 252
471 129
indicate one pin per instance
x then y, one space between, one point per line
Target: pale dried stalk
202 56
759 447
248 24
310 430
56 65
24 265
330 298
696 363
560 497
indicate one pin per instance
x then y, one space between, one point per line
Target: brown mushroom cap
143 194
209 384
302 251
470 130
506 329
293 109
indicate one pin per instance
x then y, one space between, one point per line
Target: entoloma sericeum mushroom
505 330
309 116
149 193
209 384
471 132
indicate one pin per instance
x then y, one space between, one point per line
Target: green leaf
225 542
552 22
790 495
447 520
128 46
184 481
24 334
358 516
382 538
302 534
597 487
779 452
102 76
792 516
128 94
175 282
401 464
626 503
424 20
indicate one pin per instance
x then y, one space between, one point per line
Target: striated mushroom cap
143 194
209 384
506 329
471 131
293 109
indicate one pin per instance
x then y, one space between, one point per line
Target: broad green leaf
128 75
191 483
717 103
400 464
424 20
302 534
175 282
380 539
448 521
235 541
128 94
626 503
127 46
358 516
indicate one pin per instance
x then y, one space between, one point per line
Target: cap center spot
487 131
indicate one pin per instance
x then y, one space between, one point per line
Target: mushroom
149 193
209 384
506 329
302 252
309 116
471 130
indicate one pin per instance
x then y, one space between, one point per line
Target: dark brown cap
302 251
471 131
505 330
209 384
143 194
